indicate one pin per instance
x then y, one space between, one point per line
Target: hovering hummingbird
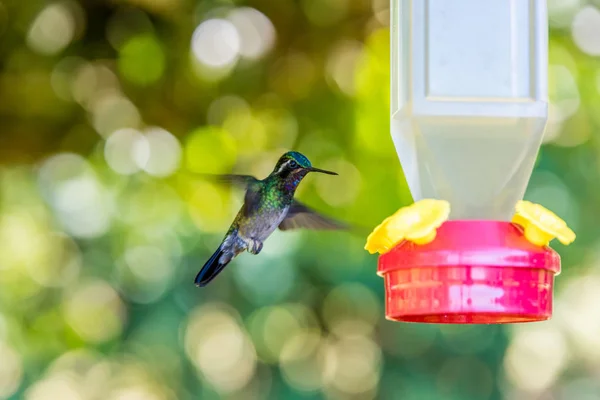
268 204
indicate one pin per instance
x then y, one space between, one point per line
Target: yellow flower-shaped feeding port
417 223
541 225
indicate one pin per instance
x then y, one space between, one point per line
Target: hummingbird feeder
469 106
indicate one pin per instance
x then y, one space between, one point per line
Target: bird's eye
293 164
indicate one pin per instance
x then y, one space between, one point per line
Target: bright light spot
84 83
561 12
341 65
62 167
60 261
352 365
72 188
586 30
136 393
111 112
84 371
220 349
74 193
11 371
148 264
61 386
23 241
95 311
78 361
271 327
89 83
161 153
381 11
125 149
216 43
535 357
256 32
52 30
301 360
577 306
145 273
82 203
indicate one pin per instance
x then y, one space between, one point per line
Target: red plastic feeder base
474 272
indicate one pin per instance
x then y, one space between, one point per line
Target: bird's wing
241 181
301 216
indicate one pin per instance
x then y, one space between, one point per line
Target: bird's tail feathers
211 268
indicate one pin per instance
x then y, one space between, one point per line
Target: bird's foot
254 246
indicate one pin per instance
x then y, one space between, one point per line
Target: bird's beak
313 169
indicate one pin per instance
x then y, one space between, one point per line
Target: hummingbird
268 204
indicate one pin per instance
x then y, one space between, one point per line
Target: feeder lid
472 243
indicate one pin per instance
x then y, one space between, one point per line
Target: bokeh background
110 109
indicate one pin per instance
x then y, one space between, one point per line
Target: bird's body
268 204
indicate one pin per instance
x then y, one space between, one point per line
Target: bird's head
294 166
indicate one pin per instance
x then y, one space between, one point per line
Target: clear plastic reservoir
469 100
